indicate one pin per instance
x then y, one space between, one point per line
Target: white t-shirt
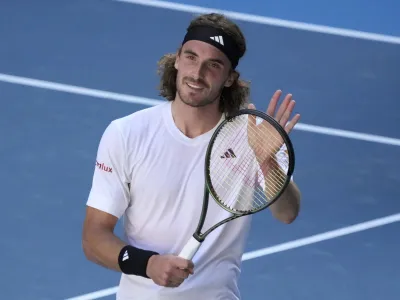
161 209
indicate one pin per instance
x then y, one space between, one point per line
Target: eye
215 65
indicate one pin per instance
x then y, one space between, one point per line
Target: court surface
62 59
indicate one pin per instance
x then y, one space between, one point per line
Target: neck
195 121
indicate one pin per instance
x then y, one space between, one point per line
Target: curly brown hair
233 97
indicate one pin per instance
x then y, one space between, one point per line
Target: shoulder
130 135
140 120
135 125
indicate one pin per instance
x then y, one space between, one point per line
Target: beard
196 98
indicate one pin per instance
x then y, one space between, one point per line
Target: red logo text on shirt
103 167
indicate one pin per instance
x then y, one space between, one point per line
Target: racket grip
190 249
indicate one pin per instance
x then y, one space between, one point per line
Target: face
203 71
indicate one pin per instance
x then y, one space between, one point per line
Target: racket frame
208 188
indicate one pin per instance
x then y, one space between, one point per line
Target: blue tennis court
50 134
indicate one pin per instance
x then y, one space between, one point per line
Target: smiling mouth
195 86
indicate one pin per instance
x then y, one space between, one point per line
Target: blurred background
68 68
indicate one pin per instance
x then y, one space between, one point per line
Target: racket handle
190 249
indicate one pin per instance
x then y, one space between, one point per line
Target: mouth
195 86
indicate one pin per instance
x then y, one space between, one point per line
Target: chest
167 183
169 171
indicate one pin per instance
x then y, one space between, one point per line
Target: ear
231 79
176 64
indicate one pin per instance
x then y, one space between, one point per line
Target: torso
166 172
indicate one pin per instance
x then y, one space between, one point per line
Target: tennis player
150 171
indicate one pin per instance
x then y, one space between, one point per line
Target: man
149 169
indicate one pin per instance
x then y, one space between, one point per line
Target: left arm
287 207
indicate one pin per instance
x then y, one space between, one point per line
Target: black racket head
236 161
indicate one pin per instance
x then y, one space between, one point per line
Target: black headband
217 38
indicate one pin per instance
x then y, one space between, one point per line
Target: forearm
287 207
103 248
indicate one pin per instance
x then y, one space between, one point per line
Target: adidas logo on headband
218 39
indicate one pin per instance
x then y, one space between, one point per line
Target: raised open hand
260 134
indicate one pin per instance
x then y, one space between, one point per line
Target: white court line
72 89
348 134
97 295
281 247
269 21
60 87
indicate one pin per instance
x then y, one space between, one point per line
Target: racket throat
198 237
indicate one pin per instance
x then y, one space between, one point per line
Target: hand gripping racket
248 164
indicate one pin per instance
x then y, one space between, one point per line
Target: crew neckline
177 134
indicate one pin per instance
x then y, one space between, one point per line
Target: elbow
87 250
287 217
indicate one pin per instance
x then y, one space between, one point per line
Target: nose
198 71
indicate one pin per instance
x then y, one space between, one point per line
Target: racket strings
229 183
236 174
267 140
233 185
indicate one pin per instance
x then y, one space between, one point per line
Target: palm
263 134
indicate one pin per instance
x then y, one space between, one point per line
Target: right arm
108 200
99 242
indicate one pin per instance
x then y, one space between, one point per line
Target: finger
272 104
286 115
252 119
188 270
179 276
181 273
174 282
169 279
283 107
182 263
292 123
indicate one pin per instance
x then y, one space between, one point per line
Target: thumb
251 106
252 118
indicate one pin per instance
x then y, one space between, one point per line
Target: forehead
204 50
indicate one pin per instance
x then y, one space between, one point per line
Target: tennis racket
248 164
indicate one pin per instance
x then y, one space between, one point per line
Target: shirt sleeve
109 191
282 159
